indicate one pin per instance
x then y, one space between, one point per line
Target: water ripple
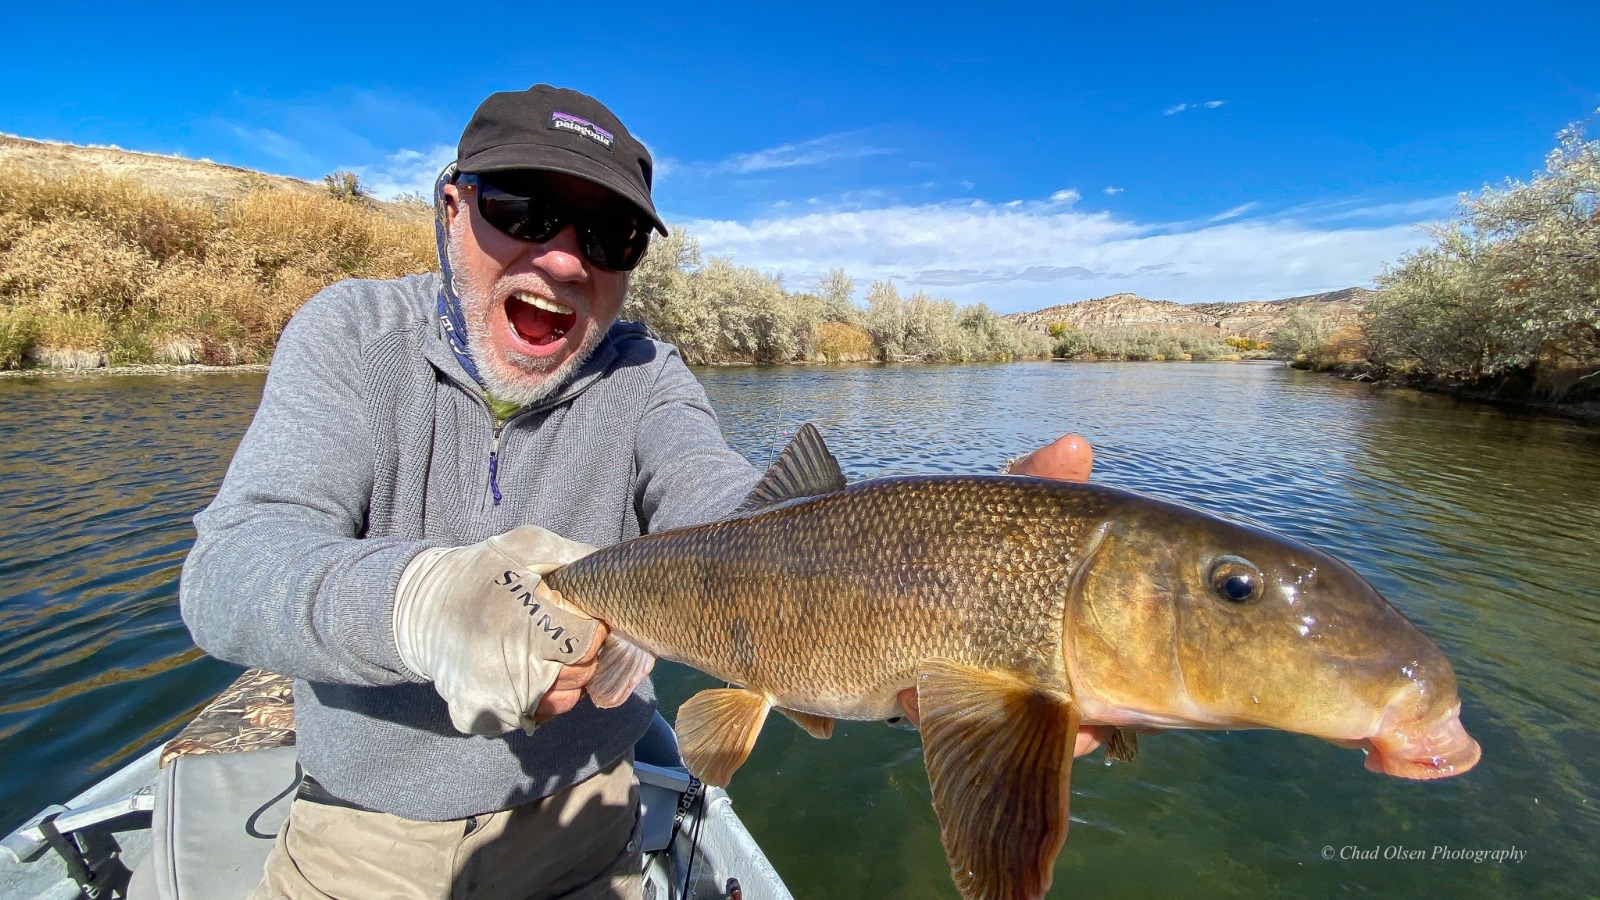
1483 527
98 488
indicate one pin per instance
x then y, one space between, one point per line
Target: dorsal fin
805 468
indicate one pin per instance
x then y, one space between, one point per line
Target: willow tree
1511 283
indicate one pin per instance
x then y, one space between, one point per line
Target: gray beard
527 387
517 379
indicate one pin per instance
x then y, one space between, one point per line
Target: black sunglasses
611 239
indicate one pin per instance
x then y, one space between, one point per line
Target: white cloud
1184 107
813 152
661 166
1068 196
316 133
276 145
406 171
1234 213
1039 254
1432 208
1110 191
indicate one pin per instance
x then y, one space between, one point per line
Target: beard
512 378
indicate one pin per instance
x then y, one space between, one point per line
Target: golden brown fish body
828 604
1019 609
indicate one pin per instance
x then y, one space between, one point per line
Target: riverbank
1584 410
120 257
134 369
1519 392
200 369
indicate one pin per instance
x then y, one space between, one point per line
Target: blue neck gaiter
449 305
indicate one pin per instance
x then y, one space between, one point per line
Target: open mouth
537 321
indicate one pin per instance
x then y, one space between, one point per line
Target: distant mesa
1252 319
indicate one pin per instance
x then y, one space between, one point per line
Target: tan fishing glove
470 620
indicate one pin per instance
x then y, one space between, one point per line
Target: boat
194 818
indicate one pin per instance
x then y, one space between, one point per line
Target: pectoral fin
819 727
999 755
717 729
620 667
1123 746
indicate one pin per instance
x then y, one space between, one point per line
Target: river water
1482 526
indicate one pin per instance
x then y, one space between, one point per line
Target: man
411 435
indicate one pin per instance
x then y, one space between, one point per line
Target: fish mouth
1438 748
539 325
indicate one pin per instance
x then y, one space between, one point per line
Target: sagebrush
1510 288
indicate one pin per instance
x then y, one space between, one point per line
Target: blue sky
1017 154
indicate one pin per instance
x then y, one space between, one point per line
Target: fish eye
1237 580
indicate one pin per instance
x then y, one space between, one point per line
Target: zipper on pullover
494 441
494 464
499 425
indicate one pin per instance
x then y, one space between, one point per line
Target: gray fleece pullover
371 444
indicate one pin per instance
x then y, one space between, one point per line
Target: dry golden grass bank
97 269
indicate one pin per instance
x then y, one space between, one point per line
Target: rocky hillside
1255 319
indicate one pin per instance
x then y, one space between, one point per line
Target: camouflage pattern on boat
256 712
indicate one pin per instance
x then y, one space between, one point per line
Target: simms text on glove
471 620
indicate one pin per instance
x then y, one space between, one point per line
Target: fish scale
844 594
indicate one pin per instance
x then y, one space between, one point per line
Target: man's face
534 311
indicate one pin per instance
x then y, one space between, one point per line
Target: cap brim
545 158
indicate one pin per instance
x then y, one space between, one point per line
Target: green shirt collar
502 409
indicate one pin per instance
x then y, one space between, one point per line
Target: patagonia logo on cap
561 121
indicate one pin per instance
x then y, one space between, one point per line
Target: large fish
1019 609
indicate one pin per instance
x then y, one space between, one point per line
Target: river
1482 526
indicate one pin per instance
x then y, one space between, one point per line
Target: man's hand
476 622
1068 458
570 682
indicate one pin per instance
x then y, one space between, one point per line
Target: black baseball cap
554 129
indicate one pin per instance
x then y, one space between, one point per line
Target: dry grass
841 342
18 331
98 269
1345 350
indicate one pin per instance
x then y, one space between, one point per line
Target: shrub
1137 344
1510 287
73 265
344 187
841 342
1304 335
